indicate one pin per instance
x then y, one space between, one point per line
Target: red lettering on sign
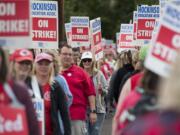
145 28
80 34
14 22
166 45
126 37
97 38
44 29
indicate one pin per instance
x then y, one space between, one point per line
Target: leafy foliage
112 12
147 2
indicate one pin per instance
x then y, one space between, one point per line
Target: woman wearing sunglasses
100 84
21 70
16 93
22 63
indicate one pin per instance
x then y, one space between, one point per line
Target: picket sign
166 43
135 25
39 109
68 32
15 24
147 20
13 119
44 24
162 3
96 38
80 31
126 37
38 103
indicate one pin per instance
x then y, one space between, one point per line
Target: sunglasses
25 63
86 60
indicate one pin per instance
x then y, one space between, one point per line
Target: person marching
82 90
53 95
16 94
100 84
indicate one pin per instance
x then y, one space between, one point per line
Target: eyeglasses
25 63
87 60
66 54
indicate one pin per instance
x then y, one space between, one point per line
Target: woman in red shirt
21 94
53 95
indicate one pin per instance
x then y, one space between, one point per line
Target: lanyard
11 95
35 87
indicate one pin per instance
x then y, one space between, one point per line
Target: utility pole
61 21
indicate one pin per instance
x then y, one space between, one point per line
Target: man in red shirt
82 90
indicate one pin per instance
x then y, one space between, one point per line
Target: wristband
93 111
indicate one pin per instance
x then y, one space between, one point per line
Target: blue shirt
63 83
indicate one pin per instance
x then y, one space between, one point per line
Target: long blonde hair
135 57
56 62
119 62
51 74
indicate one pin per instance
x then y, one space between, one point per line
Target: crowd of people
147 104
72 86
77 91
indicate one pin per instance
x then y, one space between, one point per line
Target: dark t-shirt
118 77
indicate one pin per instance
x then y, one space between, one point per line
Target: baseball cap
43 56
22 55
86 55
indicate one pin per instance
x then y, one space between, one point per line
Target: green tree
147 2
112 12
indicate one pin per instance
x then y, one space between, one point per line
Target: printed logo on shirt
9 126
69 74
47 96
105 68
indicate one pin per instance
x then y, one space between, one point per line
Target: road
107 126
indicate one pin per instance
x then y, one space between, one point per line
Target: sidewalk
107 126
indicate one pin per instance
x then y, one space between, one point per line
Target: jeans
95 129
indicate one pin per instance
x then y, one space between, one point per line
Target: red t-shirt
129 102
135 80
47 102
106 70
81 87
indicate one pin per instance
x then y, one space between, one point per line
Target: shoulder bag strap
10 93
35 87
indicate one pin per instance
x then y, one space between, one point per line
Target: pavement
107 126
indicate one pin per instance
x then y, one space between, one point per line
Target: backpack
146 104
